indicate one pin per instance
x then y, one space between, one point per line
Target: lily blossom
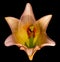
28 33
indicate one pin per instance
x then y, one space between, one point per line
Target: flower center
31 31
31 35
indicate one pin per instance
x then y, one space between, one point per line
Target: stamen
30 31
31 35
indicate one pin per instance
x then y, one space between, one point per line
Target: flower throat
31 35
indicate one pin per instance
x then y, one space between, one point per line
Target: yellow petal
41 37
38 33
21 37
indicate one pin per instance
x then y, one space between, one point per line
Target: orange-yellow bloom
27 33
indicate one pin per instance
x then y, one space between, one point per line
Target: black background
40 8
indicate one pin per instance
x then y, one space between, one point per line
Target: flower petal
30 51
50 42
28 11
13 23
43 39
44 21
9 41
21 37
27 17
39 34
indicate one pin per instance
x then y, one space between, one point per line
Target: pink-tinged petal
12 22
9 41
30 51
44 21
25 22
27 17
50 42
28 11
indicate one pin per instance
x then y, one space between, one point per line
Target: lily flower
28 33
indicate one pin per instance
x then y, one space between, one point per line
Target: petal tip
49 16
49 44
6 18
53 44
9 41
28 8
30 58
28 5
5 43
